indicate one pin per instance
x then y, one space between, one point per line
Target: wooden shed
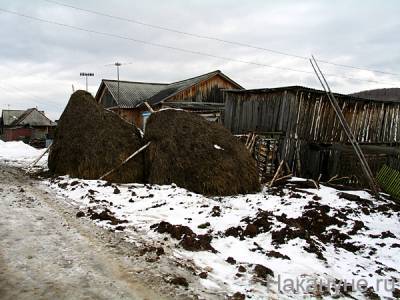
307 133
201 94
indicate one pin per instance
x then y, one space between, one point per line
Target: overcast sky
40 62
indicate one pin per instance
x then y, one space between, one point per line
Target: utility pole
84 74
117 64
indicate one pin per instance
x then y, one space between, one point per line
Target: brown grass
182 152
89 141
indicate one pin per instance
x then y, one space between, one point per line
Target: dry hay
184 151
90 141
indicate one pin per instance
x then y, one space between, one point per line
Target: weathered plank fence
312 140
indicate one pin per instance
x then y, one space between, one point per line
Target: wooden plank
37 160
125 161
367 171
149 107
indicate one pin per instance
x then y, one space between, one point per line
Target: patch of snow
218 147
17 153
145 205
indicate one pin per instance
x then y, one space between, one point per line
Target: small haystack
197 155
89 141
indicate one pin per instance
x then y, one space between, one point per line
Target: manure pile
198 155
184 149
90 141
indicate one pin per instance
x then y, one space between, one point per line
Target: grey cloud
44 60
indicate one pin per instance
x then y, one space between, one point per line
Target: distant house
201 94
30 124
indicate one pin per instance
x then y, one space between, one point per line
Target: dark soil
80 214
358 225
259 224
188 239
216 211
176 231
203 275
352 197
241 269
179 281
237 296
204 225
235 232
157 250
251 230
370 294
105 215
387 234
312 227
262 222
396 293
276 254
231 260
196 242
263 272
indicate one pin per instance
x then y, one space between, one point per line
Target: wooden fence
310 131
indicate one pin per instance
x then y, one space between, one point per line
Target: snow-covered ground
358 243
20 154
284 242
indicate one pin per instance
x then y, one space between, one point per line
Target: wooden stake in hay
89 141
125 161
198 155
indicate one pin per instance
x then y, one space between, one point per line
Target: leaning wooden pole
277 173
360 155
349 133
125 161
149 107
37 160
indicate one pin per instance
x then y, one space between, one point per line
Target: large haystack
89 141
198 155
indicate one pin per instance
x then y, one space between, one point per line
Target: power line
215 38
179 49
148 43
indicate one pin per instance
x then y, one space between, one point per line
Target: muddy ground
46 252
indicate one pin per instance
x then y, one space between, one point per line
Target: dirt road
47 253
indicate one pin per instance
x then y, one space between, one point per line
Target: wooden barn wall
371 122
207 91
310 131
270 112
310 117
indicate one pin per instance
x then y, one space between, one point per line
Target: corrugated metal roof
132 94
10 115
303 88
